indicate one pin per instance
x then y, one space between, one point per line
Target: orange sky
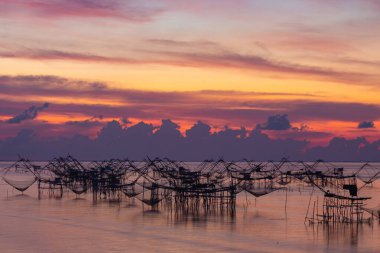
315 61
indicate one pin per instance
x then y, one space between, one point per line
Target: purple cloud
276 122
141 140
366 124
93 121
30 113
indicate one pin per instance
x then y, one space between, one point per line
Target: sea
270 223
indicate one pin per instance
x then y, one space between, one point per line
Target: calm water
262 225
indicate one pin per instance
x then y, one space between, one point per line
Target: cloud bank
143 140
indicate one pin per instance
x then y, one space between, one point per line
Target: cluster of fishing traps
209 186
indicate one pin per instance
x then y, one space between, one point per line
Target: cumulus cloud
30 113
366 124
141 140
198 130
276 122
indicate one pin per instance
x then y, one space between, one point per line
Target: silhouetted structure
208 187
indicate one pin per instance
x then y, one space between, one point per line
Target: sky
305 70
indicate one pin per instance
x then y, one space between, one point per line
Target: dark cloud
28 114
93 121
113 131
313 137
198 130
144 140
366 124
140 130
168 130
342 149
276 122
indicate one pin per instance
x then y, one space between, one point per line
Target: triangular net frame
20 175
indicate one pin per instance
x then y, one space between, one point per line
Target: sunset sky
226 63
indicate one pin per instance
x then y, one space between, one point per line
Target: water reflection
29 224
202 220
